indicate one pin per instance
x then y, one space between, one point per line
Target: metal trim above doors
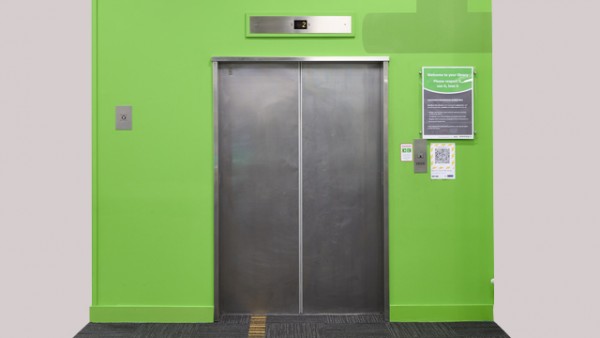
301 59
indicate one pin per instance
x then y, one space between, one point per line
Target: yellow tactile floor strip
258 326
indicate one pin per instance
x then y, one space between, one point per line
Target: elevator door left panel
258 195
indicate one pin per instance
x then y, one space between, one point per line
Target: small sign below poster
443 161
406 152
448 102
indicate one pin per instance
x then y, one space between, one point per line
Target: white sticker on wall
443 161
406 152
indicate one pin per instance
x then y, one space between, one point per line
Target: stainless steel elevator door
342 187
258 197
300 199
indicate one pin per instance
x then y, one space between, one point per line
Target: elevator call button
420 155
123 118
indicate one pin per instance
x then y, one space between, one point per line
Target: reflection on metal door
300 222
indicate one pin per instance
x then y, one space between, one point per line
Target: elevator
300 185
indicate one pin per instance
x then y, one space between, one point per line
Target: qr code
442 155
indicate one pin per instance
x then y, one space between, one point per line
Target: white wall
546 166
45 183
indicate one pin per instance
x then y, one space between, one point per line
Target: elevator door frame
384 60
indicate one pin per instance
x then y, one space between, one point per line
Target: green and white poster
448 103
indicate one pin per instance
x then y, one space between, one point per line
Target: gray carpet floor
334 326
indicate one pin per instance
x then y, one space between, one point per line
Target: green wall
153 186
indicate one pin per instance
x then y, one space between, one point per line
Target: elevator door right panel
342 223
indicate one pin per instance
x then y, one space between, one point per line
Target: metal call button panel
123 117
300 25
420 156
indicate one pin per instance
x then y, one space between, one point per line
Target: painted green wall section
153 186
